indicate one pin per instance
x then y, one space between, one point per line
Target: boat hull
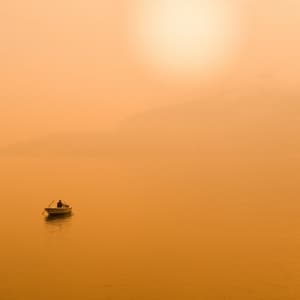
54 211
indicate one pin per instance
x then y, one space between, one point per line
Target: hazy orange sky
73 66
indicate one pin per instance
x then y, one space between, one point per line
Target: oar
48 206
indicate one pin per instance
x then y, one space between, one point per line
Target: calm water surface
146 231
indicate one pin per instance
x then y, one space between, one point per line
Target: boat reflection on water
53 218
58 222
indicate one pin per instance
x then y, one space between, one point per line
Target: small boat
61 209
54 211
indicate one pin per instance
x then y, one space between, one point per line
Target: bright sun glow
181 36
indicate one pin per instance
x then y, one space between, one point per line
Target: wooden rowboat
55 211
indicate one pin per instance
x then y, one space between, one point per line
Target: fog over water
168 207
173 130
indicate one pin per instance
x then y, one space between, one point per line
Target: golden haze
184 183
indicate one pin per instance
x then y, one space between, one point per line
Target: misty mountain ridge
230 126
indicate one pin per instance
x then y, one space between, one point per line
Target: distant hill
268 125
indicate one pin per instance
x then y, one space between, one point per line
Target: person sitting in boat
60 204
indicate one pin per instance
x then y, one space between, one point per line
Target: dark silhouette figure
59 203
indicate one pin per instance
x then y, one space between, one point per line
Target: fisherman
59 204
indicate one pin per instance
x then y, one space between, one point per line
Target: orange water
151 229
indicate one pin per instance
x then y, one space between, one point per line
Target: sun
183 36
